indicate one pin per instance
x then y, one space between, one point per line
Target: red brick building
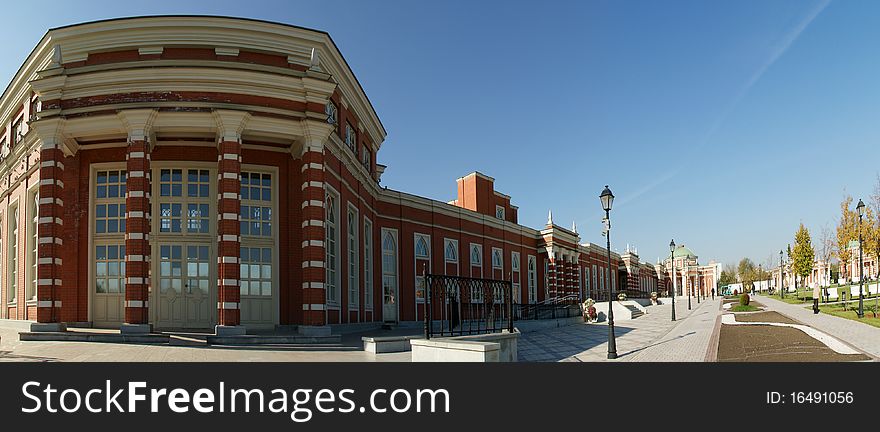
192 172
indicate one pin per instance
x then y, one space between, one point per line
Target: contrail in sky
779 50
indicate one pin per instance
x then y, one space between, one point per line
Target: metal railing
457 306
538 311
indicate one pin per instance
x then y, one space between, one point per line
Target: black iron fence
523 312
457 306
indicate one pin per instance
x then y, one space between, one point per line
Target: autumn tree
746 272
803 255
846 232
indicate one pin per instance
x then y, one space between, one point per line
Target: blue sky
720 124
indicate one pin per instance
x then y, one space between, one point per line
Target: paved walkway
651 337
860 335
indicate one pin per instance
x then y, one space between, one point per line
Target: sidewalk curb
715 339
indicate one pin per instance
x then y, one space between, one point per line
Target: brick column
137 220
551 276
49 225
230 125
314 297
137 236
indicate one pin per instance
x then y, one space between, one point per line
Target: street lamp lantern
672 273
861 209
607 198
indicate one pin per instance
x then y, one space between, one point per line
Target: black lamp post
781 276
607 198
672 261
688 285
861 209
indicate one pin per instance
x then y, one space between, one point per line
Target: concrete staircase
636 312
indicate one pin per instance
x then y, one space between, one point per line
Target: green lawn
850 313
743 308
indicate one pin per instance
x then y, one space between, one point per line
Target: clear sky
720 124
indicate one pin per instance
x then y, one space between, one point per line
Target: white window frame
262 204
417 271
368 264
106 238
479 255
532 269
12 254
394 273
350 137
261 241
32 258
331 248
184 201
332 112
352 225
499 253
454 243
595 278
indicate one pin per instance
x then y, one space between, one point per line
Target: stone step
80 336
332 340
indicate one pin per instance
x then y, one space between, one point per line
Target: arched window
533 280
497 260
331 250
353 293
421 247
476 255
35 257
450 253
389 274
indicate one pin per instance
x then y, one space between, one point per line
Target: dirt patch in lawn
769 316
757 343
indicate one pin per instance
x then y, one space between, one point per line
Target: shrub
744 300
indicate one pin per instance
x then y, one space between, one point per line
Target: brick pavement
652 337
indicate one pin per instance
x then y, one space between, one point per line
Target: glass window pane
102 192
192 190
176 189
113 191
102 177
203 190
100 226
100 252
100 286
266 289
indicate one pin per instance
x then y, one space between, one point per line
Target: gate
457 306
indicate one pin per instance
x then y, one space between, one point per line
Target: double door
186 288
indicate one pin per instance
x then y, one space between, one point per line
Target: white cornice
168 31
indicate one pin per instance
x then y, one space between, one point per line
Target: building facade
691 278
207 172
